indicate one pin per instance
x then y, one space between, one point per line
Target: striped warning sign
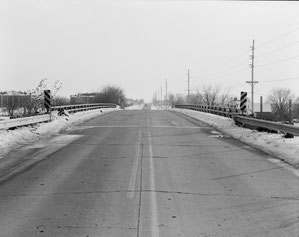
243 100
47 100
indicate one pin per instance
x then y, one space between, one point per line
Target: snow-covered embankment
14 139
276 145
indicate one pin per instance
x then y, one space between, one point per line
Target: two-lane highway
146 173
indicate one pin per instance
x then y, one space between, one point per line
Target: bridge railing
18 122
236 114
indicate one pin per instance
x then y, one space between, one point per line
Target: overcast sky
87 44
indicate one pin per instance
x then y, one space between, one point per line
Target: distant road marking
153 197
132 181
112 126
137 126
179 127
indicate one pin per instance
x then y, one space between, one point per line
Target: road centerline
153 196
133 175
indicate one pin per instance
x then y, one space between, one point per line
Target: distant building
14 98
83 98
264 112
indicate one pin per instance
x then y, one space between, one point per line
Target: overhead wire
230 70
284 79
212 68
276 50
279 37
225 73
280 61
260 93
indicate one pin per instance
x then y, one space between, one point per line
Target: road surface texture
145 173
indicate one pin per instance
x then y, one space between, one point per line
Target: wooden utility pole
166 98
252 82
188 98
290 111
161 98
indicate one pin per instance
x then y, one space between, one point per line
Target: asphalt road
145 173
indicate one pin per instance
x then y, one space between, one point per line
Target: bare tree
210 94
225 97
37 95
279 100
11 105
295 108
111 94
196 98
176 99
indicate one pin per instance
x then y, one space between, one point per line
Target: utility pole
158 98
166 99
252 82
290 111
161 98
188 98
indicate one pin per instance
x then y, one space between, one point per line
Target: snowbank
13 139
273 144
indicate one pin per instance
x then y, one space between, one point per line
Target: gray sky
88 44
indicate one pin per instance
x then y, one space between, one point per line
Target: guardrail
222 111
259 123
18 122
12 123
243 120
83 107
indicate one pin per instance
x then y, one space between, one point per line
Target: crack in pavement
247 173
149 191
220 194
213 152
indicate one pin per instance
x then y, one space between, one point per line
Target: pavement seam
149 191
85 227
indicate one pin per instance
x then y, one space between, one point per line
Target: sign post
47 101
243 101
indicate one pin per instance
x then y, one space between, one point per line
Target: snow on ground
14 139
135 107
276 145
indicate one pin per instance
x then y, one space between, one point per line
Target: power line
283 47
228 74
212 68
260 93
280 61
230 68
284 79
279 37
262 44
